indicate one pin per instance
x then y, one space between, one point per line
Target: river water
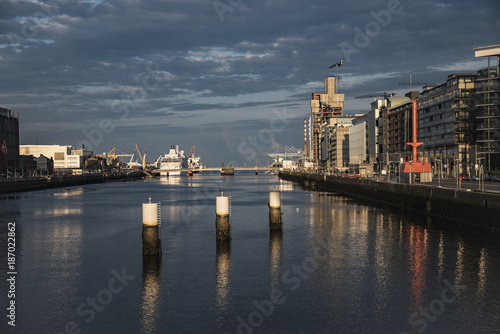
338 266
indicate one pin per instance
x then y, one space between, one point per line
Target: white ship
173 162
193 162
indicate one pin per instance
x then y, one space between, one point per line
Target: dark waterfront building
445 123
9 142
488 108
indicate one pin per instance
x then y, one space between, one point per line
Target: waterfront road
472 185
493 187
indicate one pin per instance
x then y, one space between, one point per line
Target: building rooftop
486 51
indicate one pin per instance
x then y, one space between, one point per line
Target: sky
231 77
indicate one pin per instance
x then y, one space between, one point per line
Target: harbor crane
385 95
141 156
114 154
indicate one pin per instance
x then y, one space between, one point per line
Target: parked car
464 177
474 178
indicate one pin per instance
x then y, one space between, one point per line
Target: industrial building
9 142
66 158
324 106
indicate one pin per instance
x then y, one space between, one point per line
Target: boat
193 162
227 170
172 163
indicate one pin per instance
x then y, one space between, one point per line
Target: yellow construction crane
115 153
142 157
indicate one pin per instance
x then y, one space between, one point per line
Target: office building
9 142
65 157
446 123
487 125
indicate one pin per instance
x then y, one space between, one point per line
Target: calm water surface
339 266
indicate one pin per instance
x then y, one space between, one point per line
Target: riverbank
21 185
465 207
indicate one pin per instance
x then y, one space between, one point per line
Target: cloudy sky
232 77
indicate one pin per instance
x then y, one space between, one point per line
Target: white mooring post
151 243
150 213
275 199
275 222
222 211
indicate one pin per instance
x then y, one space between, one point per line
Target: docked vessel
193 162
172 163
227 170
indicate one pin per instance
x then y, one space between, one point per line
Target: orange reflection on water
418 264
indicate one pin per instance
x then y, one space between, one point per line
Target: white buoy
275 199
150 213
222 206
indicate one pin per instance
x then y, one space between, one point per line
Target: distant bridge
157 171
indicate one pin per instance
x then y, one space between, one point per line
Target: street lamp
439 171
481 172
457 168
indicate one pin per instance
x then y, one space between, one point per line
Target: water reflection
58 211
69 192
55 253
170 180
417 258
482 273
275 254
223 263
151 243
460 262
150 302
275 221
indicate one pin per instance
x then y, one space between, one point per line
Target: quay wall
20 185
461 206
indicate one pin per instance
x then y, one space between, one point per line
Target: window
59 156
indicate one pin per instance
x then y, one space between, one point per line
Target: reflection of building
9 141
65 157
488 103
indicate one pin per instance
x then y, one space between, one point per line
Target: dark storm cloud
81 61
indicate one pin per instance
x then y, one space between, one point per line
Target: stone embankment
466 207
20 185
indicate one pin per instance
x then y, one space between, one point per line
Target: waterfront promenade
462 206
39 183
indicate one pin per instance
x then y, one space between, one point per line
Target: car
474 178
464 177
